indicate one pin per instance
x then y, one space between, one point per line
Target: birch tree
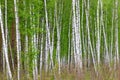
88 31
107 59
18 44
47 36
5 49
41 48
58 38
111 44
116 32
34 42
76 36
98 32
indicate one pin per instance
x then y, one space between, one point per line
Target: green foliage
32 12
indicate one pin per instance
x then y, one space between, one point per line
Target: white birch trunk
116 32
73 43
107 60
58 38
111 44
98 33
34 42
49 44
69 37
5 49
79 33
26 53
47 34
46 54
88 31
73 30
83 36
41 48
51 50
6 32
18 44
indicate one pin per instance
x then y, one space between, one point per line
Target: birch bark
98 33
107 60
41 48
58 38
18 44
5 49
73 30
88 35
111 44
116 31
76 34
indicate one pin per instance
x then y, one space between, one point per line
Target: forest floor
103 73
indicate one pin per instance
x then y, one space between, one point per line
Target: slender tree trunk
58 38
47 34
88 31
116 32
111 44
73 29
51 49
46 54
6 33
5 49
34 44
18 44
41 48
83 36
69 37
107 60
98 33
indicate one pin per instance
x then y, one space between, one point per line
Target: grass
104 73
